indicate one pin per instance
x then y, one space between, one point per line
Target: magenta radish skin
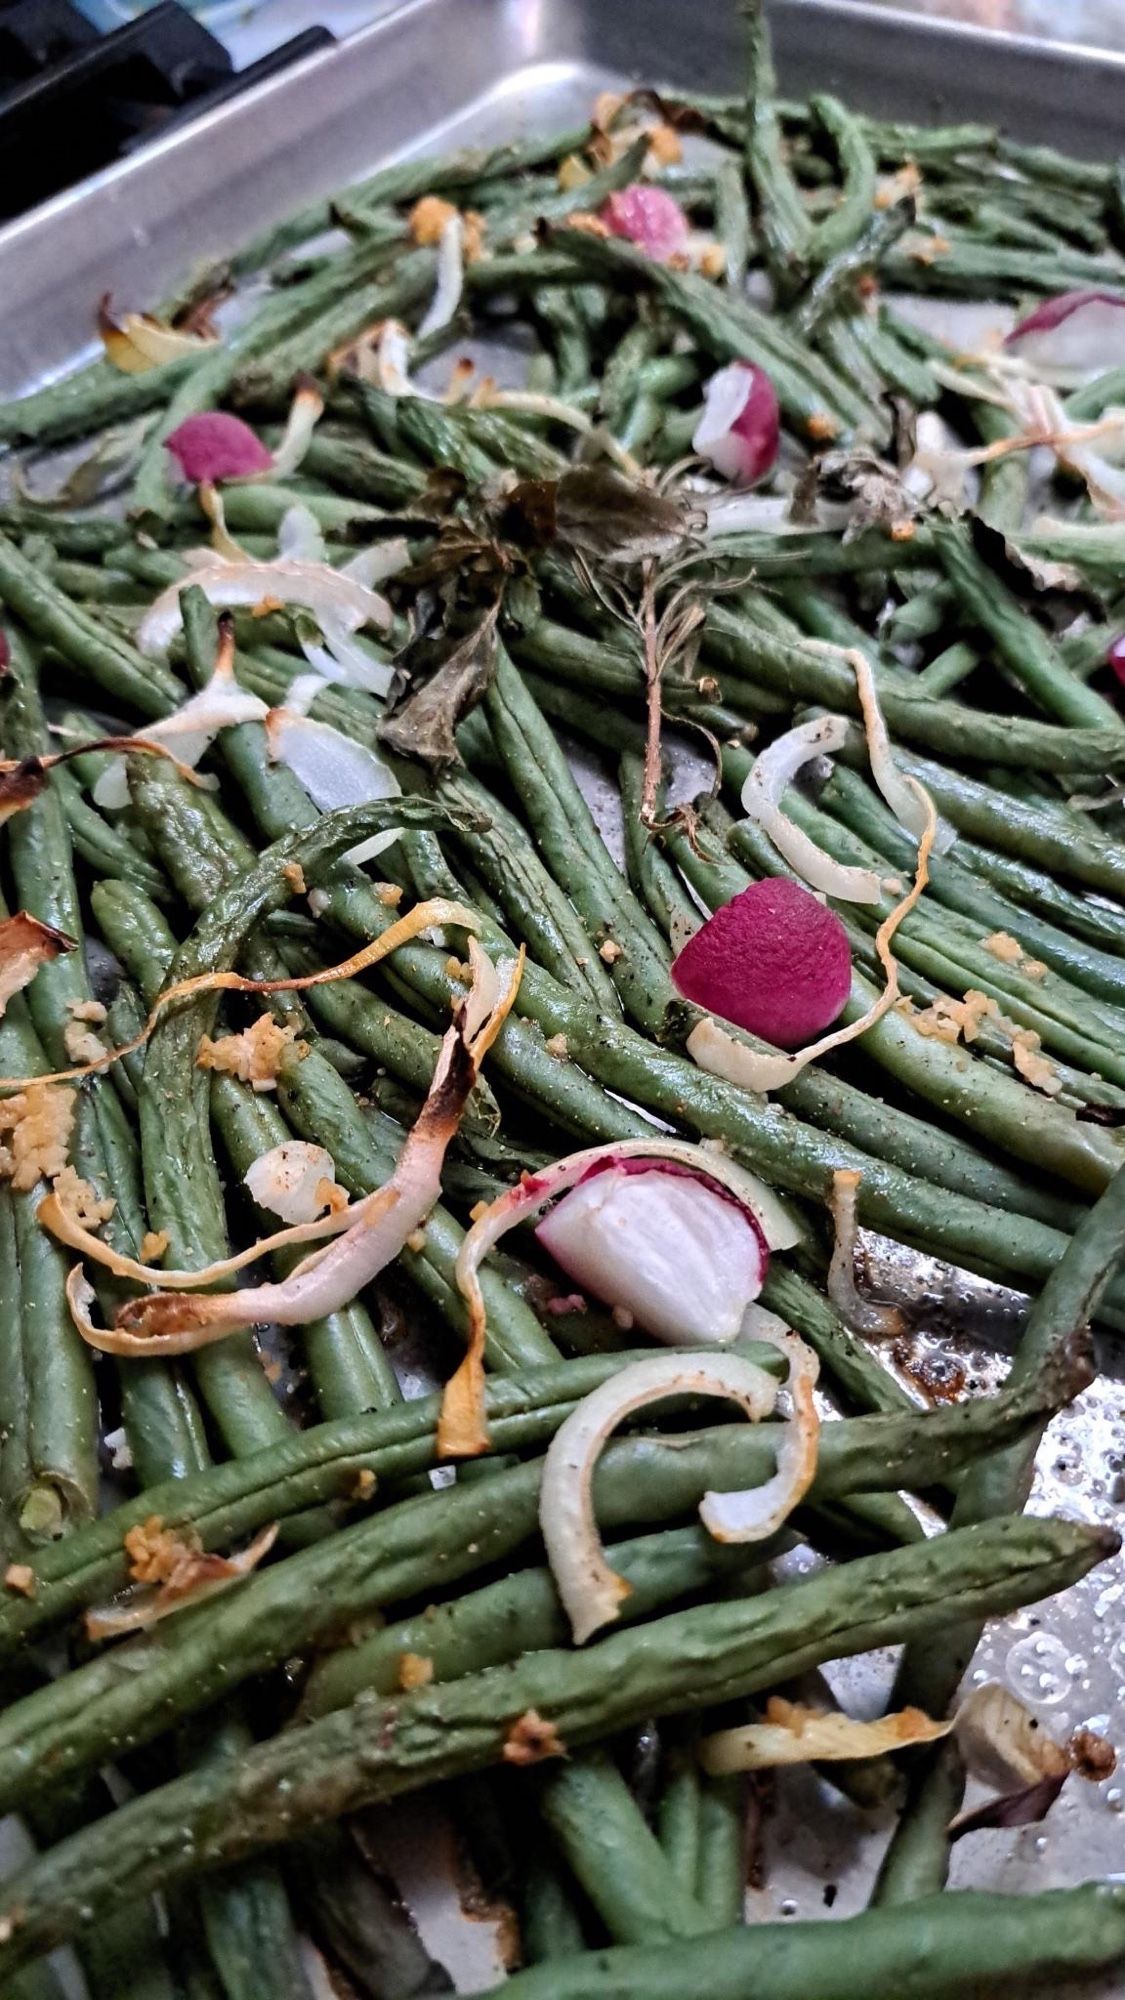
215 445
648 217
774 960
676 1251
739 433
1072 337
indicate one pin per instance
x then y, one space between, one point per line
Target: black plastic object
72 101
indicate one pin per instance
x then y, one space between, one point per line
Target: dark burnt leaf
1023 1808
528 518
20 786
439 678
596 510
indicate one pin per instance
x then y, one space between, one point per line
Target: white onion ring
590 1590
770 774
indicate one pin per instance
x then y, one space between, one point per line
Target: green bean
354 465
731 329
1043 834
836 284
273 364
970 269
410 1548
943 726
954 885
657 885
939 1949
54 618
225 1502
721 1868
1021 643
1068 1301
360 1921
733 226
786 232
902 369
92 397
518 1613
570 840
346 1359
614 1854
550 1926
99 843
353 1757
949 668
539 910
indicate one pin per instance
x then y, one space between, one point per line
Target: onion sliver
462 1431
793 1734
450 278
192 728
334 769
324 591
772 771
881 1322
590 1590
171 1322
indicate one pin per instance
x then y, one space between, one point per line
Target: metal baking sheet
441 73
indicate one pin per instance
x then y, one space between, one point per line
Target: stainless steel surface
440 73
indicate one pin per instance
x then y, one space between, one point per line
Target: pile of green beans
404 1630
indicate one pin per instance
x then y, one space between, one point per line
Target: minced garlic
153 1245
1036 1069
35 1125
80 1200
1003 946
256 1055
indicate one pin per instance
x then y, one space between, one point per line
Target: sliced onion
881 1322
305 413
25 944
793 1734
192 728
334 769
300 534
392 363
461 1428
904 800
590 1590
170 1322
649 217
342 660
293 1180
653 1239
327 593
1073 337
773 770
1003 1743
138 342
214 444
450 277
740 430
